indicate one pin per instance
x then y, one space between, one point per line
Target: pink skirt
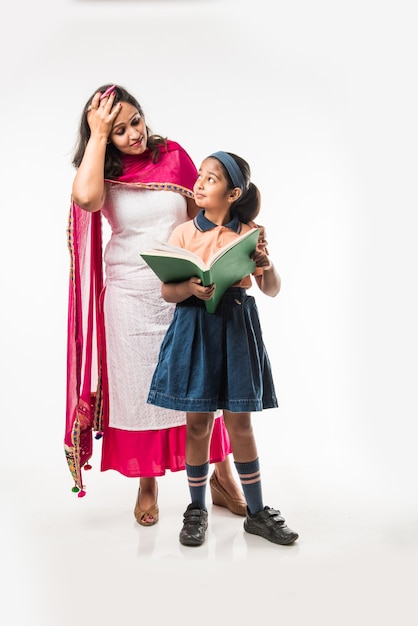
153 452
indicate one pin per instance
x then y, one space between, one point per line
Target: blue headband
232 168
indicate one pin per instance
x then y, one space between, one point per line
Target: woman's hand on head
101 114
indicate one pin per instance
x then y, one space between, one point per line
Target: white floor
69 560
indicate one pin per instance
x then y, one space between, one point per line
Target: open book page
164 249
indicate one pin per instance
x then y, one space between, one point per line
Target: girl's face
210 190
129 133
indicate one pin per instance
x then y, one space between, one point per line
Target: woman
142 184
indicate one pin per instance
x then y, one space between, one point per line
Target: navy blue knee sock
249 474
197 476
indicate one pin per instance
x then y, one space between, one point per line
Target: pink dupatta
86 354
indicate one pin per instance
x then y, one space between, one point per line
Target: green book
228 265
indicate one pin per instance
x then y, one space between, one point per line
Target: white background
321 99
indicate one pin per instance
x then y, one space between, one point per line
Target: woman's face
129 133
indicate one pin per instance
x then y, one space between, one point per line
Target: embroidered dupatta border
156 187
85 341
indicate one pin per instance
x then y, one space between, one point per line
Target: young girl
211 361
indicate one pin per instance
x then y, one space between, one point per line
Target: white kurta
136 316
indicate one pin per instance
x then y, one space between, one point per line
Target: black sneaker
269 524
195 524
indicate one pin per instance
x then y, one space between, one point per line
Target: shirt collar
202 223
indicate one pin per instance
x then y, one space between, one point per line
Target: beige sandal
141 514
221 497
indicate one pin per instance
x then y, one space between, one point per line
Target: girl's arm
177 292
262 241
269 281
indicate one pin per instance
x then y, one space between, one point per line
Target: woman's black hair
113 161
247 207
